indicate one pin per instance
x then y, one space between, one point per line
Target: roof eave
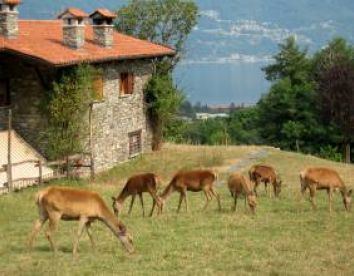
108 59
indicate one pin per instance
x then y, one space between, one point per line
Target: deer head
347 199
252 201
278 184
117 206
126 239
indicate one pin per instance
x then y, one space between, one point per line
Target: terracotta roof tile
104 13
43 40
12 2
74 12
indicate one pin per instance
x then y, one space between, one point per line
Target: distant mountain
234 38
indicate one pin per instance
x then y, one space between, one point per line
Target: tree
291 62
167 22
332 71
66 106
336 89
163 101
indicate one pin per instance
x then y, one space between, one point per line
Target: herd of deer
62 203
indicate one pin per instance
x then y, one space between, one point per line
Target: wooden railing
73 161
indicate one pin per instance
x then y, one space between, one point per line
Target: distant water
222 83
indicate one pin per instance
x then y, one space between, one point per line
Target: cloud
256 31
234 58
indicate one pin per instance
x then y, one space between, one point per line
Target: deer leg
142 203
80 230
36 229
312 197
330 194
155 200
53 222
185 200
235 202
180 202
131 203
89 233
207 199
256 186
216 195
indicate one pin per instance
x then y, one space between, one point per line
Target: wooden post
9 162
67 167
40 172
92 161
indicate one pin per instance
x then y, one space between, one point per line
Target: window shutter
131 83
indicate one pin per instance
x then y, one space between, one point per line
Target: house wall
26 90
118 115
113 119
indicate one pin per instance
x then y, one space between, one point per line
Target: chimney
102 20
9 18
73 27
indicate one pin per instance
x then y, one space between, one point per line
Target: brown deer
324 179
138 184
267 175
238 184
194 181
62 203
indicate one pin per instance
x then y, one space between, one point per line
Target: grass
285 236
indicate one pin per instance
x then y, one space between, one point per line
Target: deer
324 179
268 175
194 181
64 203
138 184
239 184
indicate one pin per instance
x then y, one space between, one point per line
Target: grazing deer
324 179
138 184
266 174
238 184
55 203
194 181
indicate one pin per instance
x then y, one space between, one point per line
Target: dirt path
246 162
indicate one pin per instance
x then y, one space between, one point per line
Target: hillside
285 236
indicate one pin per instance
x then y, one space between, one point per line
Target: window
134 143
98 87
126 83
4 93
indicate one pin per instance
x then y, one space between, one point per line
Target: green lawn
284 237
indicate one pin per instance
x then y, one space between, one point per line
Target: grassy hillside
285 236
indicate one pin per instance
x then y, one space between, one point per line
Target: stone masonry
8 23
74 36
118 115
113 118
103 35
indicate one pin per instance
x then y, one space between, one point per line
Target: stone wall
103 35
26 91
74 36
113 119
9 23
118 115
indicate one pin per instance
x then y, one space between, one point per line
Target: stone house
32 52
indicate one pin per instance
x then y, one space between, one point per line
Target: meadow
284 237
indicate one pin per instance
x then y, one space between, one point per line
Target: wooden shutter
98 87
130 83
126 83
